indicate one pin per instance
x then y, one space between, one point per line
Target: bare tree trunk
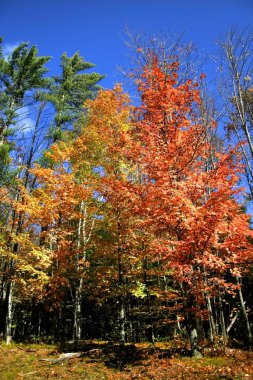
122 322
222 322
78 311
122 312
191 325
9 313
193 335
213 331
83 235
244 311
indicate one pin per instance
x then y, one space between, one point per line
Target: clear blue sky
96 27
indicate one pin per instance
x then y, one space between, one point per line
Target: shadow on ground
117 355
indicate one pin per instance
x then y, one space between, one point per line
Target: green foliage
21 74
4 163
69 91
99 233
23 71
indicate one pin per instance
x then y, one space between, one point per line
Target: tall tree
20 74
23 83
193 231
106 131
69 91
237 83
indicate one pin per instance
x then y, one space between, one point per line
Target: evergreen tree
69 91
20 74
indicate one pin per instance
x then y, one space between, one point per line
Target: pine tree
20 74
69 91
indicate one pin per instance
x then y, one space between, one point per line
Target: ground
101 360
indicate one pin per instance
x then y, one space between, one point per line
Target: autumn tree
63 210
25 89
199 235
21 73
101 142
136 215
169 199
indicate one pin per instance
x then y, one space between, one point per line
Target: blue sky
96 27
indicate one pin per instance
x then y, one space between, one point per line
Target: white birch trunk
122 323
83 236
9 314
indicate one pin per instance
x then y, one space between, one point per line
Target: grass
111 362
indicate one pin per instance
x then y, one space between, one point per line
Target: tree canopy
122 221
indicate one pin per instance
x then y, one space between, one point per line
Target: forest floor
101 360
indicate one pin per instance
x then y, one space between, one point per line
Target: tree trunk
222 322
193 336
192 328
78 311
9 313
213 331
83 237
122 322
244 311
